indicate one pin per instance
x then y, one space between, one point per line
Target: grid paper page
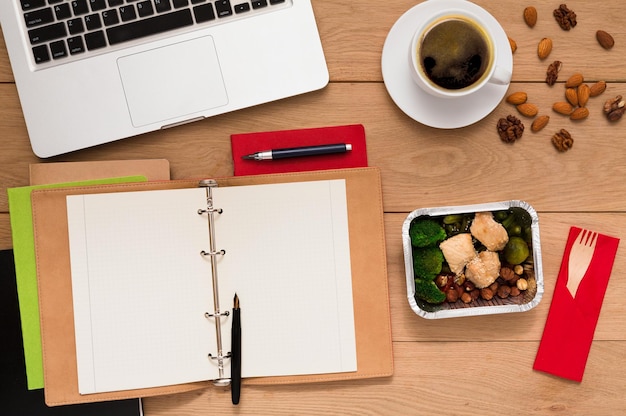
288 260
141 289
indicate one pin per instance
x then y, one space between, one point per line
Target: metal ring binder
212 254
211 315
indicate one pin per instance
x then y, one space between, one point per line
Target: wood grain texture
479 365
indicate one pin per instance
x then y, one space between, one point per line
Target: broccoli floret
428 291
426 232
427 262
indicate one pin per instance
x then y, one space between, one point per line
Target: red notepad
248 143
575 308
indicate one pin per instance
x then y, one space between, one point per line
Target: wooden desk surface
479 365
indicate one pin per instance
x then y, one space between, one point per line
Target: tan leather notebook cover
369 282
61 172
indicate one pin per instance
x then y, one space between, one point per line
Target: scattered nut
583 92
510 129
518 269
522 284
614 108
562 140
530 16
513 45
544 48
579 114
597 88
563 107
565 17
572 96
528 110
517 98
552 74
605 39
539 123
574 81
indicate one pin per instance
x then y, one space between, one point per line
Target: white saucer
418 104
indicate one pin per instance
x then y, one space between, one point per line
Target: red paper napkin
248 143
572 318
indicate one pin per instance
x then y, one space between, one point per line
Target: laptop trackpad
173 81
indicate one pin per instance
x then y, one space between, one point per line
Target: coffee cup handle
500 76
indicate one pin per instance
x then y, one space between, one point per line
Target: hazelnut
486 293
475 294
518 269
515 291
504 291
452 295
522 284
466 297
441 280
507 273
469 286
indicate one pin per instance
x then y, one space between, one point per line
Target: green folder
20 210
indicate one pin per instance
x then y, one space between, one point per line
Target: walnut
562 140
614 108
565 17
510 129
552 74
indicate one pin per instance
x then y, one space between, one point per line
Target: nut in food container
529 272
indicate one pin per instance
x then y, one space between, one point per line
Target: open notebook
154 274
367 263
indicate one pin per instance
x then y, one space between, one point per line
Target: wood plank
421 166
450 378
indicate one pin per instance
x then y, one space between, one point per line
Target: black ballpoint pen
323 149
235 363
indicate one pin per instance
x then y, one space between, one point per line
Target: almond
517 98
605 39
544 48
513 45
563 107
572 96
530 16
539 123
528 110
597 88
583 93
579 114
574 81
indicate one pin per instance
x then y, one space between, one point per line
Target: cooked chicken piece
483 269
458 250
489 232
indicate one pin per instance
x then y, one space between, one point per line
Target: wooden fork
579 259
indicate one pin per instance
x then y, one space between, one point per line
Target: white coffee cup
454 53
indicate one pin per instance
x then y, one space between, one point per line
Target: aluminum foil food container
533 266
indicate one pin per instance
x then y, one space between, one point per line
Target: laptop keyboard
59 30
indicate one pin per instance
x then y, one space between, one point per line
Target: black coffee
454 53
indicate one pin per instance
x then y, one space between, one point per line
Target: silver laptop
92 71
